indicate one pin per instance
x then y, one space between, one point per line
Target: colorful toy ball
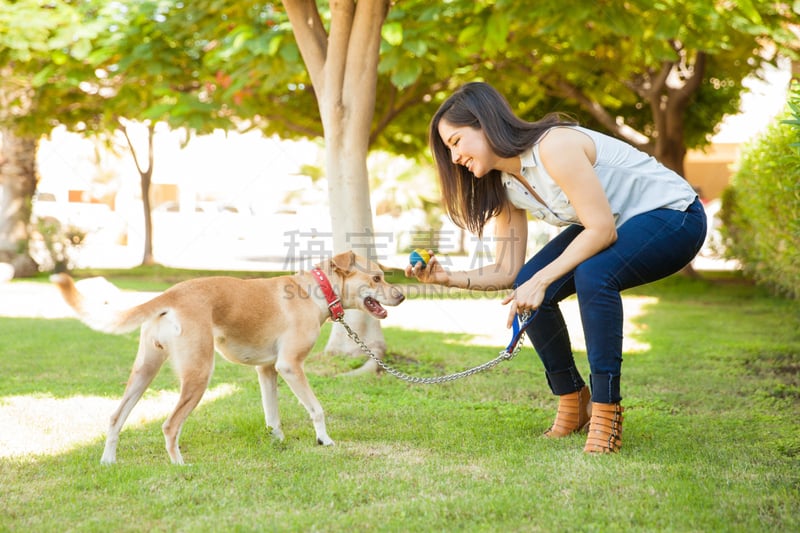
419 256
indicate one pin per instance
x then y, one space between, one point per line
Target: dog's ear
343 263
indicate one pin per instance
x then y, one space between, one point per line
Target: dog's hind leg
291 370
195 374
268 379
149 360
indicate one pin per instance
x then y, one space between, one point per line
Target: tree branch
363 52
342 14
310 35
127 136
605 118
692 82
145 174
410 97
652 85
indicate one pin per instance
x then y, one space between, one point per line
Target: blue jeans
649 246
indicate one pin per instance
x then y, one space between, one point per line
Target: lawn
711 438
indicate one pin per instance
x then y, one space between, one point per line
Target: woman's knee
593 276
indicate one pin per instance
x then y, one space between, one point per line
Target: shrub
761 207
59 240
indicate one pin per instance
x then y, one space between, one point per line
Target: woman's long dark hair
468 201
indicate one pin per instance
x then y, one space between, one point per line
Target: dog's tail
99 313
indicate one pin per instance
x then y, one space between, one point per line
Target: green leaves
392 33
238 61
749 10
794 110
762 208
406 74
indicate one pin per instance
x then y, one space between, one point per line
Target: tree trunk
668 110
148 258
343 67
669 101
18 180
670 149
669 105
351 221
145 180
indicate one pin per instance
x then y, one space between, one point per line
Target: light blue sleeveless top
633 181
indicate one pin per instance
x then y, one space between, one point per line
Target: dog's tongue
374 307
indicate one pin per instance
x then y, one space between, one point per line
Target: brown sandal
574 412
605 428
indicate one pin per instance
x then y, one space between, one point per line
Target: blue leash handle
518 329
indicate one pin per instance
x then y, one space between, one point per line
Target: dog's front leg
291 370
268 379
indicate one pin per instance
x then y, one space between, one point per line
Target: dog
271 324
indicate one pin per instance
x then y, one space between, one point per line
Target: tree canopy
661 75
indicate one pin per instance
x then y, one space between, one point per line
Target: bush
59 240
761 207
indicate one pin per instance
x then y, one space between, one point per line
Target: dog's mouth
375 308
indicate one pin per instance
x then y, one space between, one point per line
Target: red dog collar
334 303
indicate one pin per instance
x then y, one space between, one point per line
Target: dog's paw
276 433
325 441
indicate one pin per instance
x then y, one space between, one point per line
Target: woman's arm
511 237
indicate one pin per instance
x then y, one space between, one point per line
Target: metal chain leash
505 355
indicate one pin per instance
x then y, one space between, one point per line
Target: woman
627 220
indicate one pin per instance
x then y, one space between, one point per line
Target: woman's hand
526 298
433 272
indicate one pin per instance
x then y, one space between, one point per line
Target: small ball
419 256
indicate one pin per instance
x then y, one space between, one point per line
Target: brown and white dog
271 324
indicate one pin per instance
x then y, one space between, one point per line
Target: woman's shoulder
564 134
565 141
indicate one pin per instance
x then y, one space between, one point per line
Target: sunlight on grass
43 425
484 321
634 307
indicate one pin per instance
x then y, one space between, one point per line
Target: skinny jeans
649 246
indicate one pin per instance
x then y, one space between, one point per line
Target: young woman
627 220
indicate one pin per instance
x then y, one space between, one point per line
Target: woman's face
468 147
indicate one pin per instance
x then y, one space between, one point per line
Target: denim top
633 181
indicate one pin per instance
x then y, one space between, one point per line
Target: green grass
711 442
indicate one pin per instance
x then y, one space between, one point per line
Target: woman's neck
510 165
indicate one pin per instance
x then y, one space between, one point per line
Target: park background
324 108
246 195
714 450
